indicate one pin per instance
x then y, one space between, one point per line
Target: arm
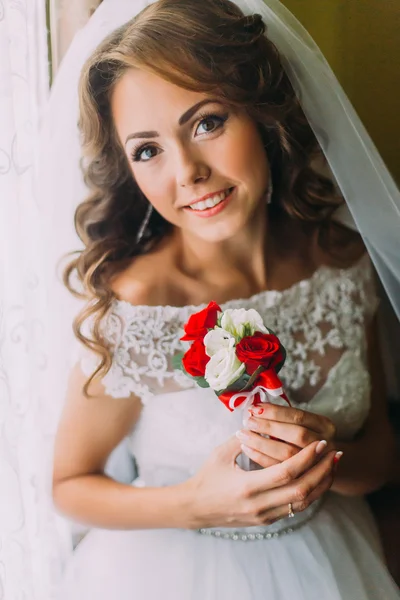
89 429
368 461
219 495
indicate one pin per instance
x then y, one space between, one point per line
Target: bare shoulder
144 280
133 284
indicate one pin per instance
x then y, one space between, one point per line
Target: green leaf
253 378
177 361
280 365
248 332
283 350
238 385
201 382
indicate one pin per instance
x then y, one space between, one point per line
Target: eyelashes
219 119
138 151
152 150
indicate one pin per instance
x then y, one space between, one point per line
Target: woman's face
200 164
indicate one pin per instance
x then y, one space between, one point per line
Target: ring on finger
291 513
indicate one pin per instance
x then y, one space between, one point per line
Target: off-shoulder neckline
271 295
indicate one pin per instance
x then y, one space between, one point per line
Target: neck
244 254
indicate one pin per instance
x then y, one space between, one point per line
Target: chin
221 232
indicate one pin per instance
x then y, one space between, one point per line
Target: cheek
148 186
244 155
157 187
253 157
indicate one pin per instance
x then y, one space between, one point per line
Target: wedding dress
331 551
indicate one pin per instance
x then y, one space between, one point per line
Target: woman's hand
221 494
292 430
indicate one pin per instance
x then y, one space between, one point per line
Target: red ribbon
268 382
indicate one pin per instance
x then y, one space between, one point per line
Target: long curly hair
216 50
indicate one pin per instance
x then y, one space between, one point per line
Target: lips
211 206
210 200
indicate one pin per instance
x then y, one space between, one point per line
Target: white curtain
33 540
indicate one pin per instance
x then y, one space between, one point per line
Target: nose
191 168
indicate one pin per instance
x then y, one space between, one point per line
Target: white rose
217 339
235 321
223 369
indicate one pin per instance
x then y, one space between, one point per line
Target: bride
207 182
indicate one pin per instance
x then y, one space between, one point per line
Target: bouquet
235 354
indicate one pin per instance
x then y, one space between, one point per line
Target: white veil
371 195
370 192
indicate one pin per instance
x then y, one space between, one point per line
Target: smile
211 201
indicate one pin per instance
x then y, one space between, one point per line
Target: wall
361 41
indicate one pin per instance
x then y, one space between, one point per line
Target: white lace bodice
322 323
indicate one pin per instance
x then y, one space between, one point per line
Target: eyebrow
182 120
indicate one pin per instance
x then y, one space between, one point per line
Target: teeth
210 202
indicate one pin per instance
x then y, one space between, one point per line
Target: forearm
366 464
99 501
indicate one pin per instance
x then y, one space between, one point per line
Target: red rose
199 323
260 349
195 359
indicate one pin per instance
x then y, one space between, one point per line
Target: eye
210 123
144 153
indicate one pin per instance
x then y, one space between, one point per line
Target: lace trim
325 314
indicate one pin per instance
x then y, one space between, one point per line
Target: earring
270 191
145 223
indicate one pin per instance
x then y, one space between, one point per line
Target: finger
275 449
271 516
317 492
258 457
228 451
286 472
298 492
284 414
293 434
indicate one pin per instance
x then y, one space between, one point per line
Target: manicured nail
321 447
241 435
260 411
338 456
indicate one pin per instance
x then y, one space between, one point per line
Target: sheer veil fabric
372 198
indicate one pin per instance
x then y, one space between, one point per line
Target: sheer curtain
33 539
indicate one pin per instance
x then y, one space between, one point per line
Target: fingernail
321 447
260 411
338 456
241 435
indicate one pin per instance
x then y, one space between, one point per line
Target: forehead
142 101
